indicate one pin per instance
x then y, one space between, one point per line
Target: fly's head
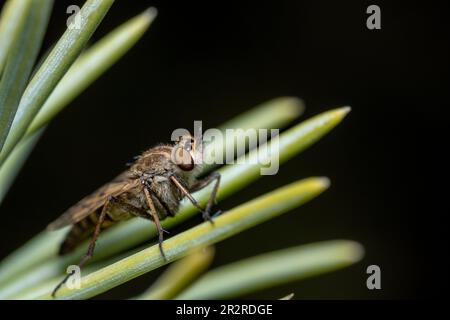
187 154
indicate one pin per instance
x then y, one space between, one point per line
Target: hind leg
91 248
109 204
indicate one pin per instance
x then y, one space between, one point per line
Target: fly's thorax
182 159
154 161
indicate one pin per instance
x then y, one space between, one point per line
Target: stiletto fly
151 188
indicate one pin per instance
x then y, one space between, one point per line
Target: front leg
188 195
200 184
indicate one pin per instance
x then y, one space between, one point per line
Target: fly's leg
111 201
91 248
214 176
155 217
188 195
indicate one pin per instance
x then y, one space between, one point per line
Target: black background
212 60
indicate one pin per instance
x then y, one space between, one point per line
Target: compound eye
183 159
